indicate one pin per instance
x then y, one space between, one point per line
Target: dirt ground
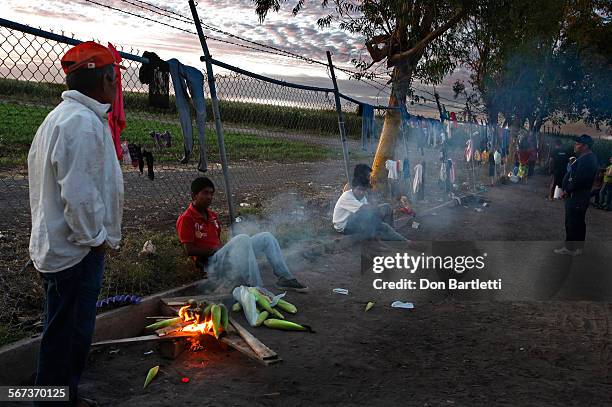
513 212
444 352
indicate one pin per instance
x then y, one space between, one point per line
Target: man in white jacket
353 215
76 199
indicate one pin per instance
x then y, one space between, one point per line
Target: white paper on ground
400 304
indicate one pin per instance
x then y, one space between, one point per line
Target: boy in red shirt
199 231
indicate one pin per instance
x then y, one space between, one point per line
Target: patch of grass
127 272
20 123
251 211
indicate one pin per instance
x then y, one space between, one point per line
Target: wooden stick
258 347
142 339
169 329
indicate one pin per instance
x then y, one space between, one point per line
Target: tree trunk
515 125
402 75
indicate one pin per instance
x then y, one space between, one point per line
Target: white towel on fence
418 178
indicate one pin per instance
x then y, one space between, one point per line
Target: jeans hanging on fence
367 125
186 78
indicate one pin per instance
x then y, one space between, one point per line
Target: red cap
87 55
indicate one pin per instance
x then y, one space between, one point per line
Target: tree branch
402 56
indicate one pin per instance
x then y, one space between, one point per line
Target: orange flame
204 327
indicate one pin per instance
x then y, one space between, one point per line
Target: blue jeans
69 321
186 77
236 262
369 223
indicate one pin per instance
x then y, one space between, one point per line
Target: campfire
195 319
196 323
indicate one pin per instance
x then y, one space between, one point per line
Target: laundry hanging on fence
468 150
406 169
442 172
417 183
156 74
148 156
497 157
116 118
127 158
135 151
392 167
451 173
505 144
188 80
367 125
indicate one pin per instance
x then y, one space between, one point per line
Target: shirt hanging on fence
157 75
497 157
392 167
116 118
418 178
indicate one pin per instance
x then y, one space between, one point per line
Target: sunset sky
298 34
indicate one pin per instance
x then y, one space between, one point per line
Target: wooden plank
258 347
236 342
144 338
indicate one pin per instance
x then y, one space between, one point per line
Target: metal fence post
216 111
345 152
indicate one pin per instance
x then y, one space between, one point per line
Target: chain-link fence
282 145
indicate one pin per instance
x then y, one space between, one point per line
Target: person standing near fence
577 185
605 196
76 199
557 167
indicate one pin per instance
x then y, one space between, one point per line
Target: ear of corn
277 314
286 306
286 325
224 317
151 375
237 307
215 311
369 306
164 323
261 300
207 311
262 317
192 303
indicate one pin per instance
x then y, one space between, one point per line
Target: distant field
311 121
20 122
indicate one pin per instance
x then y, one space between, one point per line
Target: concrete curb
19 359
